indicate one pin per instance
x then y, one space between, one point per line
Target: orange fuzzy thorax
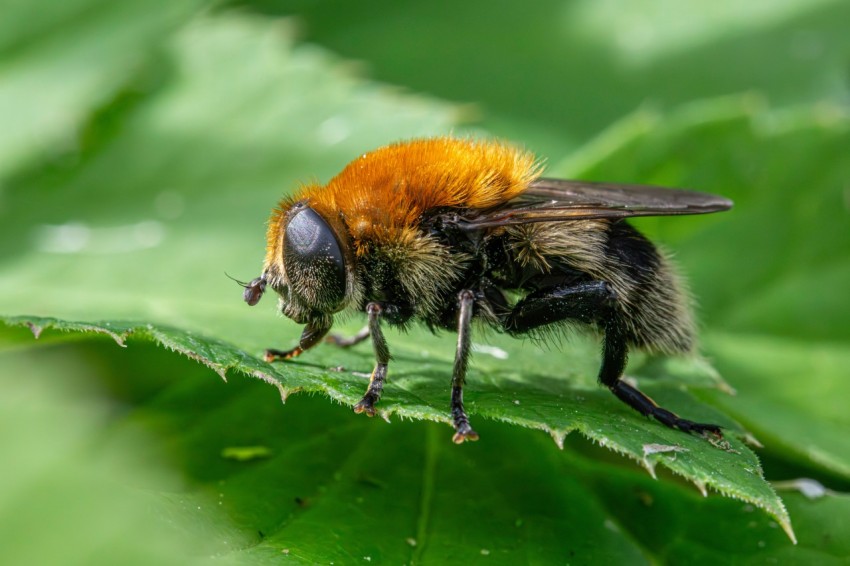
381 195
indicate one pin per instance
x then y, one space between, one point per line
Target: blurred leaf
194 172
64 499
791 394
776 262
61 60
554 73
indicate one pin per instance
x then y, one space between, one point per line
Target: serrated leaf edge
148 331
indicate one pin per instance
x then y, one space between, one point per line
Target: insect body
443 231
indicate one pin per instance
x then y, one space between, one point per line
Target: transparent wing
554 200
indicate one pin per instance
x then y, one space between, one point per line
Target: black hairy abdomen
632 253
652 305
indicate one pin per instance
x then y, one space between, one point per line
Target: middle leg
463 431
343 342
382 358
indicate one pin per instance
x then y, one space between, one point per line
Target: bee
445 231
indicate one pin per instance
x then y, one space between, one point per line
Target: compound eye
313 258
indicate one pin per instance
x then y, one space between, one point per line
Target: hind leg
614 354
593 302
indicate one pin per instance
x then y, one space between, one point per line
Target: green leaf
771 275
195 169
60 61
165 194
791 394
552 74
535 400
331 486
740 147
64 497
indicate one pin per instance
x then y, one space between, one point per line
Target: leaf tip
751 440
558 436
218 368
789 530
35 329
724 387
649 467
120 339
284 392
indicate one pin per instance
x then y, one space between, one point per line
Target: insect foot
366 405
464 433
272 355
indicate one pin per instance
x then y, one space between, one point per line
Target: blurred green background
144 143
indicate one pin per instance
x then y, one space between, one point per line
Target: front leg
311 336
463 431
382 358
